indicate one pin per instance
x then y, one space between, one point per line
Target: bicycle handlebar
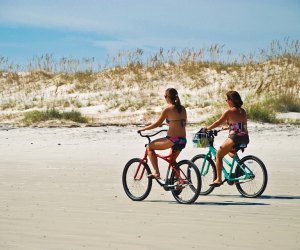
211 132
214 131
151 135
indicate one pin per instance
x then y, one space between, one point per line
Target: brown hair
173 95
235 97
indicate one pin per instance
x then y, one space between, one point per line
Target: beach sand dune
61 189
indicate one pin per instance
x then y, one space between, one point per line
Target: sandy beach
61 188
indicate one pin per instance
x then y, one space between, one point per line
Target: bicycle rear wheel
187 182
257 183
207 170
136 183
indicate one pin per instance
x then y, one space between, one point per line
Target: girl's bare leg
153 160
224 149
159 144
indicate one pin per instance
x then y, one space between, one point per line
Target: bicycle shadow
230 203
247 202
262 197
216 203
279 197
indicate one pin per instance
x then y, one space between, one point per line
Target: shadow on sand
216 203
280 197
231 202
267 197
246 203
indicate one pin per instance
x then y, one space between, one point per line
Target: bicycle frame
167 158
229 175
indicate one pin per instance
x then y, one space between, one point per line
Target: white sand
62 189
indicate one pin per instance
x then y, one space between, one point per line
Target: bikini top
183 121
238 127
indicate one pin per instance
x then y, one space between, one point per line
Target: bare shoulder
167 110
243 111
227 112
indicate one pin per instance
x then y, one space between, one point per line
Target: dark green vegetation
52 114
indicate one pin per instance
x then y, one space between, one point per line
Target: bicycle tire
187 188
136 190
256 186
208 173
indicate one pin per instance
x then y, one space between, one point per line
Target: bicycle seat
238 147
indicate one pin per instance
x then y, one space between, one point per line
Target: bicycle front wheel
135 179
186 181
256 184
207 170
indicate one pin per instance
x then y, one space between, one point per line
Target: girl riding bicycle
175 116
236 119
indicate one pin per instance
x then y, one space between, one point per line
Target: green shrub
52 114
266 107
40 116
287 103
261 113
74 116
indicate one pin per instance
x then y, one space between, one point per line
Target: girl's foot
154 176
216 184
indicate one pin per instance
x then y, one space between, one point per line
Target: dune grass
132 81
32 117
265 109
284 103
260 113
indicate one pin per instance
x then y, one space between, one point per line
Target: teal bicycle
249 174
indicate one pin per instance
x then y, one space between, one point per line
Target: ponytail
173 94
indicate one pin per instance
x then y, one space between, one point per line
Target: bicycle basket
201 140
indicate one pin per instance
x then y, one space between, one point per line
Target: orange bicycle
183 179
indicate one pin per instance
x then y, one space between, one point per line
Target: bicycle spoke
137 188
257 182
187 182
208 172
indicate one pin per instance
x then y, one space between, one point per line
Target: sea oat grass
132 81
32 117
286 103
261 113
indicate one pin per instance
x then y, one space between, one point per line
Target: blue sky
97 28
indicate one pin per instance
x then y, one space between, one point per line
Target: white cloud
151 24
134 17
99 16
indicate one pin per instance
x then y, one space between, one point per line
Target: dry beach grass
129 90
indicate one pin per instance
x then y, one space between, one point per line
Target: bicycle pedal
171 186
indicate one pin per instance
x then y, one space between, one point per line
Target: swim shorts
179 142
239 139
